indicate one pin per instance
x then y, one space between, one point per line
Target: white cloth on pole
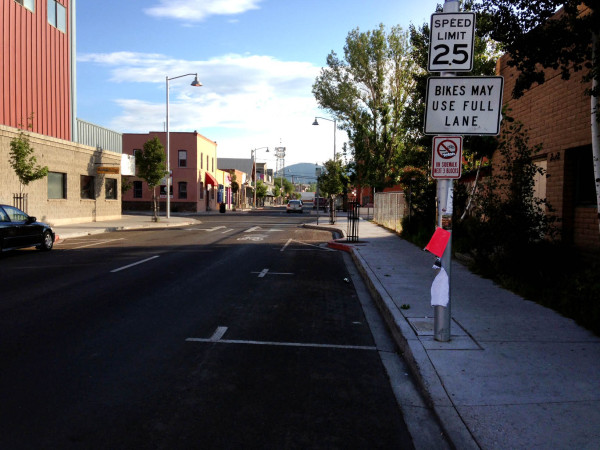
440 289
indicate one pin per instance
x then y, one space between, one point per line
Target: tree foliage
510 219
24 162
367 92
537 38
151 167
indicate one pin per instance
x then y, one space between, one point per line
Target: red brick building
196 185
38 64
557 114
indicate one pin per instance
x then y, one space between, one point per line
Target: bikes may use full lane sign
463 105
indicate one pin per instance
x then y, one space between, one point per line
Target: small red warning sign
446 162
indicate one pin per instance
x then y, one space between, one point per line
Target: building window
87 186
585 188
201 190
202 160
110 188
137 189
57 185
29 4
57 15
213 165
182 158
182 189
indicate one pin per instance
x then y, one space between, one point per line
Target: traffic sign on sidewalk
451 42
464 105
446 161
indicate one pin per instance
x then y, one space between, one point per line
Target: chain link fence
390 209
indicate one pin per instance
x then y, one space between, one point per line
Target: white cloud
198 10
246 101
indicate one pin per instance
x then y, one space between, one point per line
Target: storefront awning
209 179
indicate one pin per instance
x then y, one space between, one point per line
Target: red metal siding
35 70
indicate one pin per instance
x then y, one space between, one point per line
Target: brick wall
557 115
64 157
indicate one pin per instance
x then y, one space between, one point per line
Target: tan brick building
557 115
75 190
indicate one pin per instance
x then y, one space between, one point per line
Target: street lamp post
253 152
196 83
316 122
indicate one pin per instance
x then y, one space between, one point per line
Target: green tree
24 162
331 183
151 167
537 39
261 189
509 218
235 188
367 92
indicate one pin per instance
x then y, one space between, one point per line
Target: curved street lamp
253 154
195 83
316 122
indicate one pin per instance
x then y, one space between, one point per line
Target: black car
19 230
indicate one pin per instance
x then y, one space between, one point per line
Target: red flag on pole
438 242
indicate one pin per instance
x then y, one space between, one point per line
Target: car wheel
47 241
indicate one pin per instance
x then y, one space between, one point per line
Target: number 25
457 50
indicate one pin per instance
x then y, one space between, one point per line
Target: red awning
209 179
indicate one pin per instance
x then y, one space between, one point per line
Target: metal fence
353 219
21 201
99 137
390 209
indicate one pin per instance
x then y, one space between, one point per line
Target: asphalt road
236 332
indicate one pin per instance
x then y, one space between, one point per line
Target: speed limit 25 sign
451 42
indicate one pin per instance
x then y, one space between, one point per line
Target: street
238 331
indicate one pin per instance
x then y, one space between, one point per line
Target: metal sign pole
441 318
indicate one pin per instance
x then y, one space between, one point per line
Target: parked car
20 230
294 206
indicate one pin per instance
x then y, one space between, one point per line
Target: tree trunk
472 190
154 212
595 128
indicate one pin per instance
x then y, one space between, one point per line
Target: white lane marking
255 238
103 241
284 344
218 334
286 244
134 264
227 230
205 229
264 272
250 230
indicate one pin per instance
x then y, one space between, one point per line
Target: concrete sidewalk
515 375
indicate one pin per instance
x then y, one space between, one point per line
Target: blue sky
257 60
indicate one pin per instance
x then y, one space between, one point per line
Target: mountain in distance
301 173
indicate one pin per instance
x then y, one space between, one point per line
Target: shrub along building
197 183
38 95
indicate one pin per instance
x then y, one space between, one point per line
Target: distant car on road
294 206
20 230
